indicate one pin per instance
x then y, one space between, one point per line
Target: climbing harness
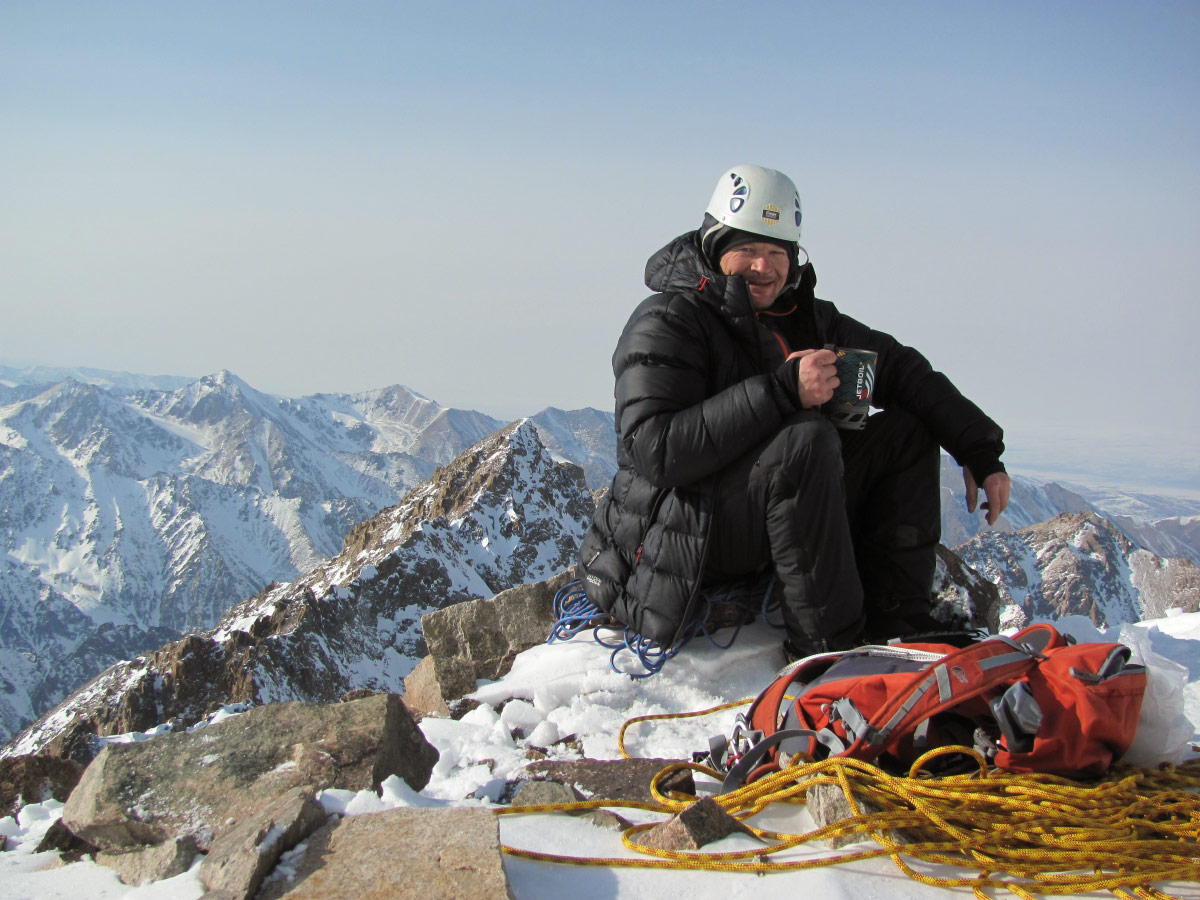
574 613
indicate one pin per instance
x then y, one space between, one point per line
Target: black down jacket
694 391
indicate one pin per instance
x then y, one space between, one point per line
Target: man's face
764 266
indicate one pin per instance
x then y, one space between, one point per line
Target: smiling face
764 266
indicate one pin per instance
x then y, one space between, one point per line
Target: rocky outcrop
490 633
35 779
241 791
479 639
1079 564
242 855
151 863
438 684
408 854
242 794
963 597
194 783
554 793
611 779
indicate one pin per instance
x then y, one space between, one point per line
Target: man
727 467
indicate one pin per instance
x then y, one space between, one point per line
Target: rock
58 839
422 854
962 598
436 681
827 805
359 694
490 633
35 779
545 793
604 818
699 824
166 860
610 779
243 855
196 783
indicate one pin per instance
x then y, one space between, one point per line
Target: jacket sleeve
674 433
904 379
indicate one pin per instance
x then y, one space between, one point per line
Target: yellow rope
1031 834
657 717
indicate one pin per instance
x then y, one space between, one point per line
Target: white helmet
757 200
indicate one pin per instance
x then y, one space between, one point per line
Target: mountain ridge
502 514
150 510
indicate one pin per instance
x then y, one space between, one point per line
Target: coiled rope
574 613
1031 834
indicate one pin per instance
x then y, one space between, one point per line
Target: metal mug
851 402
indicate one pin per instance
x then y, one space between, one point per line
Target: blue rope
574 612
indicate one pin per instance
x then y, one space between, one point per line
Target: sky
461 197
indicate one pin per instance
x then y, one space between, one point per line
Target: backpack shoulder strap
958 676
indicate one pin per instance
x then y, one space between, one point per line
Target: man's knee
807 440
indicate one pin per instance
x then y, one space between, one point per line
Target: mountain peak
502 514
1080 564
511 460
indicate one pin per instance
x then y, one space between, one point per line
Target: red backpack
1035 702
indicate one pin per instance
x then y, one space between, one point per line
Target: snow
559 690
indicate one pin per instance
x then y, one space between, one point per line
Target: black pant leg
784 504
893 498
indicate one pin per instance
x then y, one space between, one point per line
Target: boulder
166 860
403 853
490 633
59 840
243 855
438 681
547 793
610 779
204 782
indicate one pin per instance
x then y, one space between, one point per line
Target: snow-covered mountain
586 437
503 513
152 512
1167 526
138 508
1080 564
119 382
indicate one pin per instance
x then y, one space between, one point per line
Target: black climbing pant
850 520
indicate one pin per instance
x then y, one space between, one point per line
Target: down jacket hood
681 266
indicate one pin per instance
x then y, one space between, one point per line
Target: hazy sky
461 197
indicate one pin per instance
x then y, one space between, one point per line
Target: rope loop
575 613
1130 833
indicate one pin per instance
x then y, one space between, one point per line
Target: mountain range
504 513
136 510
140 509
